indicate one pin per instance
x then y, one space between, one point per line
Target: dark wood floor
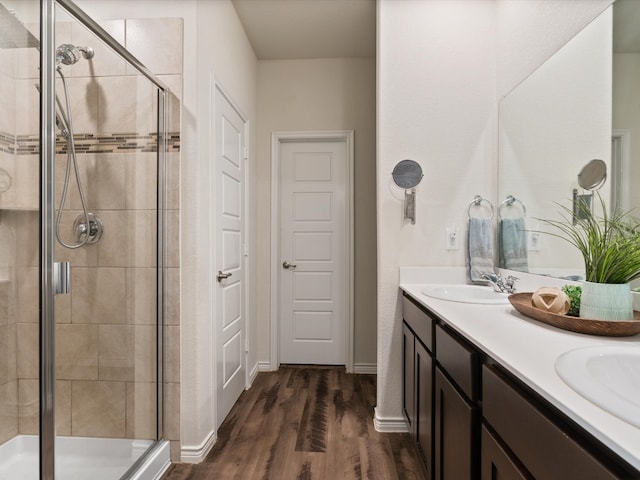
305 423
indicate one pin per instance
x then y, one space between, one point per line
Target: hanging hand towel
479 249
512 240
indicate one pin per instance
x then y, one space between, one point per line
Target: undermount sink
607 375
466 294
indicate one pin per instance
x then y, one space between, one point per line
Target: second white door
230 285
314 271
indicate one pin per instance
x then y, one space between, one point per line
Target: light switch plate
534 239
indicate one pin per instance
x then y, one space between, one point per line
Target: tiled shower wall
105 333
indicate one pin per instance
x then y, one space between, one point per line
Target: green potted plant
610 246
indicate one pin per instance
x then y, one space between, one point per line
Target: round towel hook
508 202
478 200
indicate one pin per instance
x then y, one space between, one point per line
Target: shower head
13 34
68 54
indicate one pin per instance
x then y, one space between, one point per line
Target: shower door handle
61 278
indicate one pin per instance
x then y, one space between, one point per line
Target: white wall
214 45
436 105
322 94
442 66
223 53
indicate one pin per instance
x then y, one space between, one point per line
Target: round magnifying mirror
593 175
407 174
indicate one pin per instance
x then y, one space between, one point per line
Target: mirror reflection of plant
609 244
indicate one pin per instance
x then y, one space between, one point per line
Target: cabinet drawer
419 321
461 362
546 450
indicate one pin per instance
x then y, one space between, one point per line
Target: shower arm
87 52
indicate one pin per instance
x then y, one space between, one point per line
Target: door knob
286 264
221 276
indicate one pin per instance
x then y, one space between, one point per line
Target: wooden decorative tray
618 328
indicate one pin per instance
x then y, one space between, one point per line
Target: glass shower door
107 221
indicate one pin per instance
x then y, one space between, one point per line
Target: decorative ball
552 300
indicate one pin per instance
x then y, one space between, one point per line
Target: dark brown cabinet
472 419
417 345
409 391
457 418
455 425
424 402
536 440
496 463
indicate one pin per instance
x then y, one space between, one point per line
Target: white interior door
313 242
230 285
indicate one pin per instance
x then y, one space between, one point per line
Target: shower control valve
94 230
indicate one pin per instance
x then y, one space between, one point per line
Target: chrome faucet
506 285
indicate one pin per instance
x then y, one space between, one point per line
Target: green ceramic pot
606 301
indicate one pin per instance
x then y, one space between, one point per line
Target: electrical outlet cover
452 241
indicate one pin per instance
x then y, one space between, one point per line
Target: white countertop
528 349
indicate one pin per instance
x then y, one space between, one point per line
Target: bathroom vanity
483 400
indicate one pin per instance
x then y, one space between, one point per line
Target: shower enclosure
82 253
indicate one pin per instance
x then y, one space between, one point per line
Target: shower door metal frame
47 372
47 369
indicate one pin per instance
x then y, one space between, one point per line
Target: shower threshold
83 457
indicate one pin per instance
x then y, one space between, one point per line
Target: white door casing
620 174
312 318
229 182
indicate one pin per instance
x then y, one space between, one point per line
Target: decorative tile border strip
7 143
90 143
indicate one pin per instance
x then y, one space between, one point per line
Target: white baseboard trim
197 453
264 367
365 368
252 375
389 424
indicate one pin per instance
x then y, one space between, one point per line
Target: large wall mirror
582 104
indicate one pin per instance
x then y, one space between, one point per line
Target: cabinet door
408 353
496 464
455 433
424 404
